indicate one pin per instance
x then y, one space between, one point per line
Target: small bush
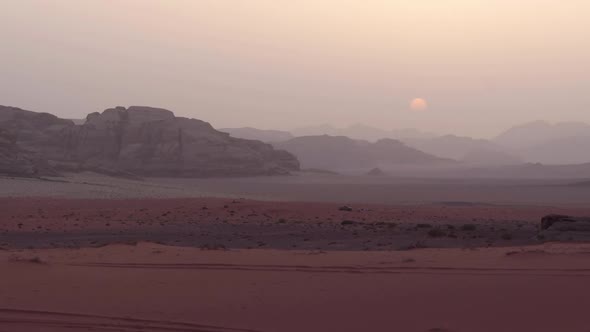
216 246
468 227
36 260
436 232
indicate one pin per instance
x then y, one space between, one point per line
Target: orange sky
481 65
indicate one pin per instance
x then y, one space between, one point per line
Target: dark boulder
562 223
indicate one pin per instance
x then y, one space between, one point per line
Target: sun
418 104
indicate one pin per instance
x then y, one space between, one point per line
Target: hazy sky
481 65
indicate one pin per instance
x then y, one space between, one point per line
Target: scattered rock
216 246
506 236
468 227
436 232
348 222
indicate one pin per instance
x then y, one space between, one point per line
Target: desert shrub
468 227
436 232
215 246
36 260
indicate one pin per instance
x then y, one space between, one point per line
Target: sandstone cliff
140 140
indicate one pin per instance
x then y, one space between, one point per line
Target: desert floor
93 253
149 287
311 188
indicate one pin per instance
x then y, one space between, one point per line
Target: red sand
154 288
150 287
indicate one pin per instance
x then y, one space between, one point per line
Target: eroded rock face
151 142
10 161
25 137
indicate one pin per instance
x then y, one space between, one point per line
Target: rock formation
12 161
24 137
141 140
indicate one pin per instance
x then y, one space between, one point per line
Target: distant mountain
491 157
531 171
411 133
360 132
343 153
364 132
539 132
542 142
322 129
562 151
466 149
267 136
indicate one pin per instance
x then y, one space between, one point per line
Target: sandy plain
93 253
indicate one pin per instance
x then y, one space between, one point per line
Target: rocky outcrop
563 223
564 228
144 141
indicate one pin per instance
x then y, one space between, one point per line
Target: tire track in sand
25 320
576 272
